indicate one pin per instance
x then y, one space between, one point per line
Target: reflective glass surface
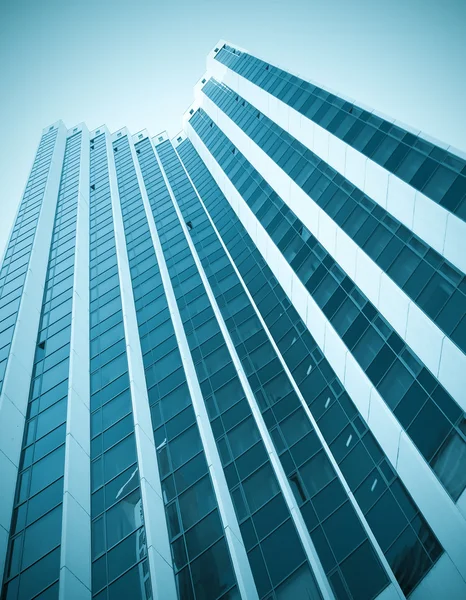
431 281
364 466
437 173
16 259
431 417
243 458
194 524
119 546
277 401
35 535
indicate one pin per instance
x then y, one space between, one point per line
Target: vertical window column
22 278
317 585
158 547
248 466
228 519
75 562
120 568
446 528
33 563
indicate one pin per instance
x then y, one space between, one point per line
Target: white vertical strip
437 507
441 356
75 554
423 216
442 582
232 532
311 418
158 545
275 461
15 392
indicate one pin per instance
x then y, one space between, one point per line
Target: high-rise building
233 364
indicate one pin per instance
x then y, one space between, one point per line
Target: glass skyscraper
232 364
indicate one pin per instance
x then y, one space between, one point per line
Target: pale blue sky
134 63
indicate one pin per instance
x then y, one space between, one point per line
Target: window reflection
134 584
408 560
124 517
300 585
212 573
450 465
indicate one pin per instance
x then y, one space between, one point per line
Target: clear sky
134 63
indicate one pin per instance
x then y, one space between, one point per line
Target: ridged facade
232 364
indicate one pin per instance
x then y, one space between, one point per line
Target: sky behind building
135 63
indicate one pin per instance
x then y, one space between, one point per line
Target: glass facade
438 174
119 549
436 285
33 561
16 260
249 425
434 421
250 477
366 469
279 405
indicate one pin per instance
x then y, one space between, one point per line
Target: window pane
98 537
344 531
175 401
408 560
42 536
121 485
132 585
126 554
45 500
368 346
260 487
50 593
375 579
261 577
190 472
295 427
185 446
435 294
300 585
316 473
118 431
282 552
114 410
40 575
47 470
118 458
243 436
450 465
49 442
183 583
203 534
123 518
404 266
51 418
197 502
212 572
395 383
270 516
429 430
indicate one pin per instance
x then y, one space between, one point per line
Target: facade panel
424 165
232 365
36 531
